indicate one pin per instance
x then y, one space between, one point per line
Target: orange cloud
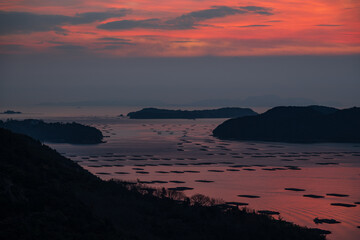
182 28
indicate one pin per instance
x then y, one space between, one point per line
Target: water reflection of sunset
146 151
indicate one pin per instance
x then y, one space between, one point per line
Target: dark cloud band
185 21
25 22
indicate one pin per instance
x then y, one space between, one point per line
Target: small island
47 196
155 113
309 124
11 112
73 133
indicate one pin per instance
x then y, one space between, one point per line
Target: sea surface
183 153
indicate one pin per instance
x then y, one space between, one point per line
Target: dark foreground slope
46 196
55 132
295 124
155 113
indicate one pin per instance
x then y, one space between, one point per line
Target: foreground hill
55 132
46 196
295 124
155 113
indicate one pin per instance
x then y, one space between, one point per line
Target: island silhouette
295 124
155 113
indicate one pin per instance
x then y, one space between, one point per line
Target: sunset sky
179 52
180 28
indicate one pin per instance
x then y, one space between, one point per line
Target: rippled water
182 153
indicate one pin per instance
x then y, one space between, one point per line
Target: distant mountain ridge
254 101
155 113
295 124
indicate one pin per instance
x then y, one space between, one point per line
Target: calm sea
182 153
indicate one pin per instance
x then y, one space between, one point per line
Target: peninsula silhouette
74 133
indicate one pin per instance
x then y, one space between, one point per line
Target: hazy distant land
74 133
11 112
48 196
155 113
295 124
